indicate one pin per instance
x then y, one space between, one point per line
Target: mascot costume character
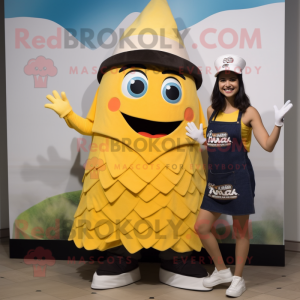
144 179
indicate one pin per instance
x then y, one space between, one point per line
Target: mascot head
148 87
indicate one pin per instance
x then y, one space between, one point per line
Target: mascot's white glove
195 133
280 113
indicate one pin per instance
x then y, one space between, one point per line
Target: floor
65 281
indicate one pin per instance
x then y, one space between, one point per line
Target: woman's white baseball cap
229 62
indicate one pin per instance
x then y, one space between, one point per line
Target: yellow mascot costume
144 179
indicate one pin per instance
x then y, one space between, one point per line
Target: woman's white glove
280 113
195 133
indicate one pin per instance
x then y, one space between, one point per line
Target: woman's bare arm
209 112
266 141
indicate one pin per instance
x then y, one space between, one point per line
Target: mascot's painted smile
151 129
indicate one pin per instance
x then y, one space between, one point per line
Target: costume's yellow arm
82 125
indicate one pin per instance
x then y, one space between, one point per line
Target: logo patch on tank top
220 139
223 191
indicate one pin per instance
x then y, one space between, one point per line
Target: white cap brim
235 69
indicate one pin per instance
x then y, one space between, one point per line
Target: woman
230 185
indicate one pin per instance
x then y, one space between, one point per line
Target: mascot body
144 179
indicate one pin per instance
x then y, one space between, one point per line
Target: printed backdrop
65 43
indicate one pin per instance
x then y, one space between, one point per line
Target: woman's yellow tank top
246 131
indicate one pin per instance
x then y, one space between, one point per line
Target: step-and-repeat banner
60 45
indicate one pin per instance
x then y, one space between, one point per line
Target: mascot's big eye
171 90
135 84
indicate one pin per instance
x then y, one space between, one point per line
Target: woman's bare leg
241 231
203 227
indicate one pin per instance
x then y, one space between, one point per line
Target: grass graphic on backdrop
52 219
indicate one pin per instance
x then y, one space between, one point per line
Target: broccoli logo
39 258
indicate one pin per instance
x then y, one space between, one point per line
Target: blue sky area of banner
96 15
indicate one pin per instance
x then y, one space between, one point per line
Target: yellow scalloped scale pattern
126 201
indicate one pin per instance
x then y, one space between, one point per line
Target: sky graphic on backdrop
97 15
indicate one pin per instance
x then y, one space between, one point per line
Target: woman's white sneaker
218 277
237 287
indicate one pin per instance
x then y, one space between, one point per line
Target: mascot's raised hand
195 133
59 104
280 113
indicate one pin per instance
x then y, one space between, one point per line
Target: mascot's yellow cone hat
153 38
